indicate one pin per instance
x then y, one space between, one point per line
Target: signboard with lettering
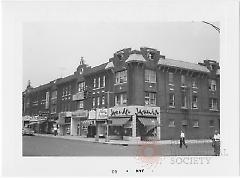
78 96
80 113
135 110
92 114
102 113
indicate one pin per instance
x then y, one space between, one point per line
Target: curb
164 142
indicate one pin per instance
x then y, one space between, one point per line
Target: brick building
137 94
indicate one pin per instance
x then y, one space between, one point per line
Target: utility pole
108 113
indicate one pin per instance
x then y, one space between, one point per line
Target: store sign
80 113
92 114
135 110
102 113
65 114
78 96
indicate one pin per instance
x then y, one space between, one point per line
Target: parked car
27 131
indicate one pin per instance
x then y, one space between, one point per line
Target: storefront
64 123
134 123
78 125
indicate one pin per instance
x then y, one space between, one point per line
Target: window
183 80
194 102
150 55
196 123
120 99
213 104
54 94
80 104
99 82
211 123
150 76
212 85
94 83
98 101
93 102
184 100
150 98
81 86
194 83
103 100
170 77
69 90
121 77
171 123
171 100
53 109
103 83
81 71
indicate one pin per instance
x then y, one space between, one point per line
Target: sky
53 49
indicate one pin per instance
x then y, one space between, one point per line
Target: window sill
183 86
170 84
172 107
150 82
194 108
194 87
172 126
212 90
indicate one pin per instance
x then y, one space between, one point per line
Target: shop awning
148 121
119 121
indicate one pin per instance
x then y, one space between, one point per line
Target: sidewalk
123 142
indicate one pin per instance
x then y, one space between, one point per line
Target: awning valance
148 121
119 121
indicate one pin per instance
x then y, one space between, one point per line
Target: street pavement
56 146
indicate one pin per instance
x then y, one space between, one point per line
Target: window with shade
194 102
171 100
81 86
170 78
150 98
121 77
150 76
120 99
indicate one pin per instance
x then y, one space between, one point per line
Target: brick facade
182 91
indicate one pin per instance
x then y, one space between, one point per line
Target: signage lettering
146 112
125 111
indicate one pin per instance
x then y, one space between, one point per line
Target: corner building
139 95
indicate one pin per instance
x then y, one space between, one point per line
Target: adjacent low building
136 95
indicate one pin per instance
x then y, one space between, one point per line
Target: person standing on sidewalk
216 143
182 139
55 131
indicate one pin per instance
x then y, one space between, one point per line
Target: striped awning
148 121
119 121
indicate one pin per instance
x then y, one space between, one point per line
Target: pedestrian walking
182 139
216 143
55 131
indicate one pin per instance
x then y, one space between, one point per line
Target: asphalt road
45 146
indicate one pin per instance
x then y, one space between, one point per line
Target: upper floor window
150 76
120 99
150 98
184 100
81 71
69 90
194 83
94 83
196 123
212 85
98 101
171 123
170 78
171 100
54 94
93 102
121 77
213 104
80 104
99 82
103 83
81 86
194 102
103 100
150 55
183 80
